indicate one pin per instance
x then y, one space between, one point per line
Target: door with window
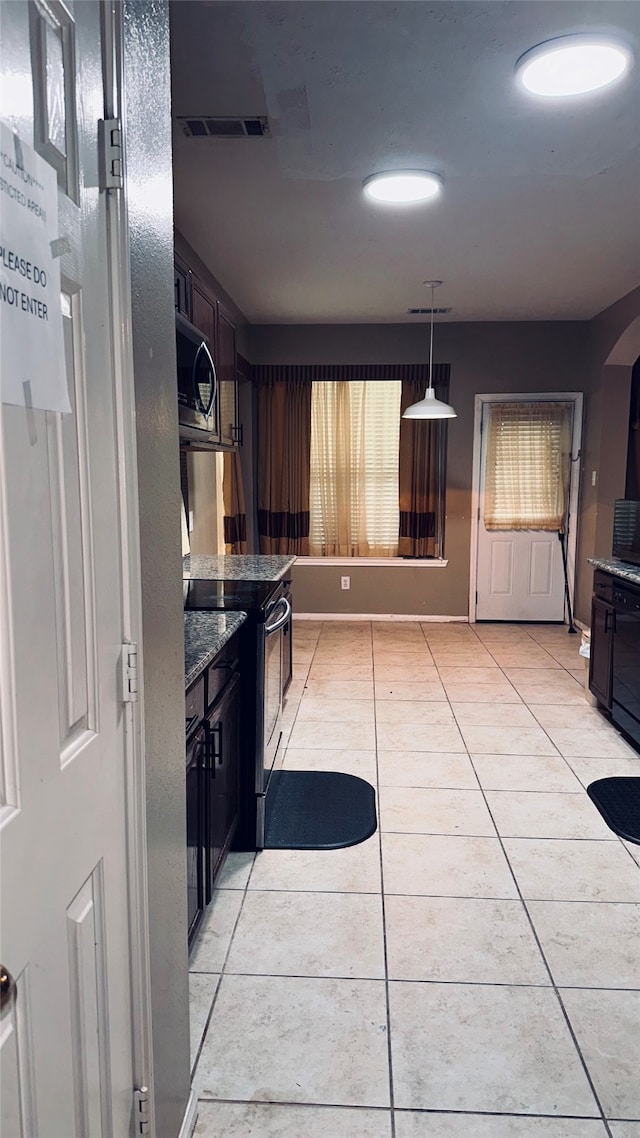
524 504
67 1036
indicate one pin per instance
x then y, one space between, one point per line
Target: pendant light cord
431 342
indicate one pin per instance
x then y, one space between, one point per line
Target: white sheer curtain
355 430
527 465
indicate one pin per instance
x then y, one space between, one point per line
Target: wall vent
196 127
427 311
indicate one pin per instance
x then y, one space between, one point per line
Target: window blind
355 428
527 465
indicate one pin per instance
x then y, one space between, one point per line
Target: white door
520 573
67 1043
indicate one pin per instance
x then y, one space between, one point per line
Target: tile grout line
412 1110
552 980
221 973
441 983
452 896
384 910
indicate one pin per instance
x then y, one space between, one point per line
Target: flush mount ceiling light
573 65
430 407
402 187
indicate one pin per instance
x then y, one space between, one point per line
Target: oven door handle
211 755
282 620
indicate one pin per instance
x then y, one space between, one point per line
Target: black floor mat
618 800
318 810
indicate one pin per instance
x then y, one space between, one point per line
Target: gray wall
614 335
150 200
484 357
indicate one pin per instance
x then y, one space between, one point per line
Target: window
354 502
527 465
340 473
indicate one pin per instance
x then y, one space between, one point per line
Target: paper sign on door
32 363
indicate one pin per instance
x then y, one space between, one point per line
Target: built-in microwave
626 530
198 407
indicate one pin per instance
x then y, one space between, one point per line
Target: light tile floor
473 969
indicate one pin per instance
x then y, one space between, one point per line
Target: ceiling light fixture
430 407
402 187
573 65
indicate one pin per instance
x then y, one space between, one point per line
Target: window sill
396 562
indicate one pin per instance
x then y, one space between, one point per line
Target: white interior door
519 572
66 1053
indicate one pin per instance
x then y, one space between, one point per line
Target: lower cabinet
213 777
221 790
196 750
601 651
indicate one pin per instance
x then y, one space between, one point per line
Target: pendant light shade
430 407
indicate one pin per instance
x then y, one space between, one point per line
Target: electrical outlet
593 477
190 521
345 582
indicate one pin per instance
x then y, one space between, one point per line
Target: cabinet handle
610 627
217 754
209 752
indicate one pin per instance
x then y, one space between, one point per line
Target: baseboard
370 616
190 1116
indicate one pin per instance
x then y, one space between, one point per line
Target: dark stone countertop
205 634
236 567
623 569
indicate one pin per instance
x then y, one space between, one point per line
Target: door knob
8 990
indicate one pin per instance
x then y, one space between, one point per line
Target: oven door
277 617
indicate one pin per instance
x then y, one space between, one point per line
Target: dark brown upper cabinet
182 287
227 379
195 300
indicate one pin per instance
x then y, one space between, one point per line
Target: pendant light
430 407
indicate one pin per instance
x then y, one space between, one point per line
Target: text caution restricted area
32 363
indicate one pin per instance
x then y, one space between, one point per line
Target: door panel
88 983
65 921
74 581
541 567
501 568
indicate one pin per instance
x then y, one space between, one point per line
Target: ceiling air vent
225 127
427 311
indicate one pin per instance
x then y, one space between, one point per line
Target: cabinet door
195 834
222 794
182 288
203 315
226 364
601 655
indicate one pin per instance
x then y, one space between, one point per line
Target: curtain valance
316 373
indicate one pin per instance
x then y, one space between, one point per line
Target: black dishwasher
625 710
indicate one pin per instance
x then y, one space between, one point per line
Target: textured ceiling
540 214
